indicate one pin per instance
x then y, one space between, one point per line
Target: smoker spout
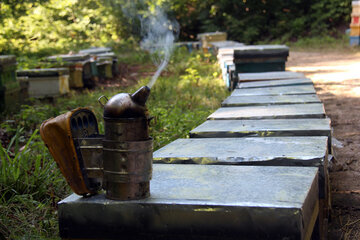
141 95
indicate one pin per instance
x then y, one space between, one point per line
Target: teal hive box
104 65
114 66
260 58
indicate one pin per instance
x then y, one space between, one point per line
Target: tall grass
30 182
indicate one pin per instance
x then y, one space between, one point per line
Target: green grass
30 182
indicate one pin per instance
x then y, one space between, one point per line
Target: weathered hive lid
44 72
202 35
226 44
69 57
96 50
107 55
259 51
7 59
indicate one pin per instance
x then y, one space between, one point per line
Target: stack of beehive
355 24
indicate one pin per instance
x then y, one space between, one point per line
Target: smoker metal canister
127 169
127 146
127 129
127 158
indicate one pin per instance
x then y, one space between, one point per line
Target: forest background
43 27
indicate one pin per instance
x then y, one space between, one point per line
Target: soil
336 77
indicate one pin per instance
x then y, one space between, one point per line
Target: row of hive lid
72 71
355 24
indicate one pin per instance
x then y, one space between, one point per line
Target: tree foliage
251 21
40 25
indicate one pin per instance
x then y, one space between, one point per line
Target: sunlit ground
336 77
340 72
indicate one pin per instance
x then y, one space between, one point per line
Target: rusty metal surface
127 169
262 128
254 100
126 129
191 201
91 150
243 77
283 90
127 158
311 110
275 83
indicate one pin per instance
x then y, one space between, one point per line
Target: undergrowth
30 182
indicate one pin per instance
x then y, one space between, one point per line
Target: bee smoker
119 161
127 147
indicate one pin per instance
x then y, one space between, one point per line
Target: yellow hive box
207 38
354 31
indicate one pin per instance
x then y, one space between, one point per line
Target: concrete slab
210 202
311 110
275 83
254 100
244 77
283 90
262 128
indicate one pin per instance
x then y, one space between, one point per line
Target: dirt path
336 77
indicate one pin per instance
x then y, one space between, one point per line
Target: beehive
207 38
81 72
49 82
355 24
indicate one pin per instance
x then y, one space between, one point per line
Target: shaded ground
336 77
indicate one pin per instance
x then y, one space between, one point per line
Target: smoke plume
158 34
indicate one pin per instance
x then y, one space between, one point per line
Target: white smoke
159 34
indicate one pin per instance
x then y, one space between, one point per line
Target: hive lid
44 72
7 59
107 55
69 57
226 44
202 35
261 51
95 50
